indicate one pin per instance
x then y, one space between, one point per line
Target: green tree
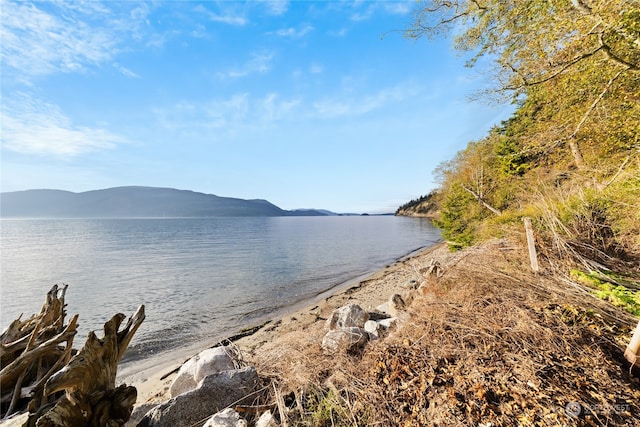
578 47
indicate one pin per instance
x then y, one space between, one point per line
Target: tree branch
564 68
615 58
617 174
481 200
595 103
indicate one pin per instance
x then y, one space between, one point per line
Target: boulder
351 315
184 380
138 413
383 308
345 339
389 323
226 418
213 360
213 393
396 305
209 361
266 420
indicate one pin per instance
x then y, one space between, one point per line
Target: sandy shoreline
303 325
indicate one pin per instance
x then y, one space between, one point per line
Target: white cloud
271 108
259 63
228 19
316 69
65 37
125 71
293 32
242 113
390 7
338 33
33 127
228 116
277 7
35 42
227 16
199 32
344 106
398 7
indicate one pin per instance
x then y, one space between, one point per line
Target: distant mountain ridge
135 202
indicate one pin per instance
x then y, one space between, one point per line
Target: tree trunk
577 154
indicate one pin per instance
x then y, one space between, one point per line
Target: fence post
531 243
631 353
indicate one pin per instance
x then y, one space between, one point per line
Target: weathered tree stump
31 351
37 368
91 397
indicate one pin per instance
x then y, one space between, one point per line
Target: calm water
199 278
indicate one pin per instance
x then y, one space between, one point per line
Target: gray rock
226 418
345 339
378 315
207 362
396 305
214 392
389 323
138 413
266 420
213 360
351 315
383 308
184 380
373 328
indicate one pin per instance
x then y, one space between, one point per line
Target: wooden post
632 353
531 243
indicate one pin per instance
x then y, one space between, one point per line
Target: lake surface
201 279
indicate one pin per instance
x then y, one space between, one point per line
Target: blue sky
305 104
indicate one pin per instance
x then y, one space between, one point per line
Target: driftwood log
62 390
31 351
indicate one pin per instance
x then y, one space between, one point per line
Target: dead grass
487 343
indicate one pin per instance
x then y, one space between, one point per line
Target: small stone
396 305
373 328
266 420
226 418
389 323
383 308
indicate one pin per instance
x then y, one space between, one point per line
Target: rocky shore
297 332
472 337
439 338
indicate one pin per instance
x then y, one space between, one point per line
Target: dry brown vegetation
487 343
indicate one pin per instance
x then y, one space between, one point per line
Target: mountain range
136 202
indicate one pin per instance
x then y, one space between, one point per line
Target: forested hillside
569 158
